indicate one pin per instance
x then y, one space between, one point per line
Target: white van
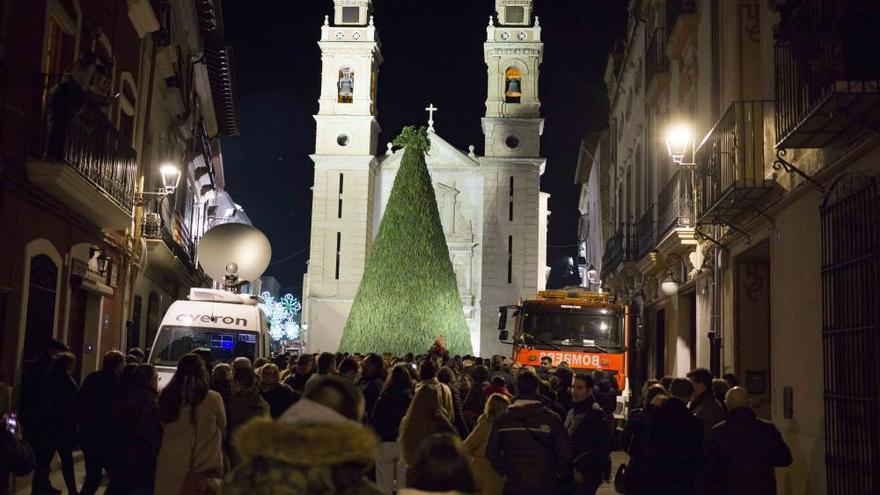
230 325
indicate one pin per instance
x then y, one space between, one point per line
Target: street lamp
669 286
680 143
170 177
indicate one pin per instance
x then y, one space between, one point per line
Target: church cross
431 109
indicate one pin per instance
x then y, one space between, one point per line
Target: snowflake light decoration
282 315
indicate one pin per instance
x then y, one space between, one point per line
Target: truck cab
227 324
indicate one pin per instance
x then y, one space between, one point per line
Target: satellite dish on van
234 248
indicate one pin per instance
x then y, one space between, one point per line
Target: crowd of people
382 424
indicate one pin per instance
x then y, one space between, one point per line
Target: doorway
752 325
40 323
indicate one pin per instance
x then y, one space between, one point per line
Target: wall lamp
170 177
669 285
101 260
681 145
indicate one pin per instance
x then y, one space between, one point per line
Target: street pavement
617 458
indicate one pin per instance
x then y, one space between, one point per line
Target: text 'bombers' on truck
582 328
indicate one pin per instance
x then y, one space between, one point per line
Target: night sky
433 52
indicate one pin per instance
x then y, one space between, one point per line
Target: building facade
493 212
755 250
97 97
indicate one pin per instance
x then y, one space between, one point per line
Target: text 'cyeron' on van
227 324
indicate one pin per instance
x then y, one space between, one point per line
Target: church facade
493 212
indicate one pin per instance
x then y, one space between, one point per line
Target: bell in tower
513 85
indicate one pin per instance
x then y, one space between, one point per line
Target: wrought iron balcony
619 248
827 72
675 207
735 159
676 9
80 135
656 61
646 230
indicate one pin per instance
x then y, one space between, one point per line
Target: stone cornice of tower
514 34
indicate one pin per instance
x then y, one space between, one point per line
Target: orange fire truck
584 329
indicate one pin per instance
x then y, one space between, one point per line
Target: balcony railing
656 61
734 160
675 207
645 231
827 72
675 9
619 248
80 135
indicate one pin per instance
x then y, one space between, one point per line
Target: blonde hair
495 405
419 422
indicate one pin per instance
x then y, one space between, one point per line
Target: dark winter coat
742 454
371 387
16 457
310 450
474 403
241 407
635 443
279 398
222 387
137 430
297 382
590 431
509 382
529 446
61 421
389 411
34 410
606 397
458 404
675 449
94 401
708 410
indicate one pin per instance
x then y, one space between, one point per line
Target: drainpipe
715 330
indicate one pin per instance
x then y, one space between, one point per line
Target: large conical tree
408 294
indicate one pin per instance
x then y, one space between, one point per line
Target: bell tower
345 147
514 51
515 211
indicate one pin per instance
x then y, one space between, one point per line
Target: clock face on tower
521 36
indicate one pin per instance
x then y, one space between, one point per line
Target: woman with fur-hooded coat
310 449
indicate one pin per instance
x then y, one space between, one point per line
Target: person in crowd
704 404
61 392
563 386
318 446
548 397
326 366
488 480
300 376
438 348
731 379
528 445
241 362
590 430
278 395
35 410
475 401
16 456
440 467
546 367
447 377
743 451
281 360
137 353
666 381
635 438
719 390
391 407
260 362
465 382
428 379
604 393
94 402
372 380
497 386
244 404
207 357
193 424
348 369
424 417
498 369
221 380
137 430
675 444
